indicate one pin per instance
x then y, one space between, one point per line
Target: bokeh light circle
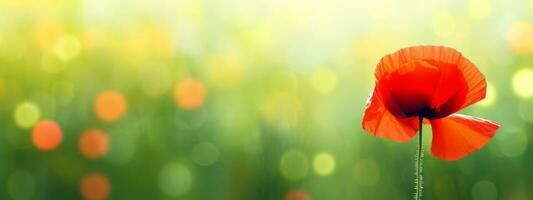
294 165
522 82
519 37
324 80
110 106
27 114
484 190
47 32
47 135
296 195
175 180
479 9
490 98
444 24
513 143
189 94
21 185
93 144
367 172
324 164
226 70
67 47
95 186
205 154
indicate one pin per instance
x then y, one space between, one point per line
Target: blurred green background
235 99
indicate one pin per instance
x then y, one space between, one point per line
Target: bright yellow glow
67 47
444 24
46 33
225 70
294 165
522 82
324 164
479 9
93 37
490 97
519 37
324 80
27 114
380 9
367 172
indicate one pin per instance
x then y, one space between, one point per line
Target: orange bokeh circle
47 135
95 186
93 143
189 94
110 106
296 195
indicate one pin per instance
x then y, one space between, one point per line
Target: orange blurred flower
110 106
189 94
47 135
296 195
95 186
93 144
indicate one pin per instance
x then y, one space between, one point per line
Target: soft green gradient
286 84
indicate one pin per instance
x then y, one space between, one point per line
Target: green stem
419 156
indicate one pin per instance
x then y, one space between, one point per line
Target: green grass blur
235 99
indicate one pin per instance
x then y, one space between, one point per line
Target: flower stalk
419 156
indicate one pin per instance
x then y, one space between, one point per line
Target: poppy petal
380 122
410 89
476 84
450 92
457 135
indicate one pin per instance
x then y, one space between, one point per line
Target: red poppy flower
431 82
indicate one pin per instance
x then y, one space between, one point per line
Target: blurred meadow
235 99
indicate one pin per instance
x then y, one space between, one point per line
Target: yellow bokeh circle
27 114
324 164
490 97
522 82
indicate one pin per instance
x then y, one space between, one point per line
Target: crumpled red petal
380 122
457 135
410 89
438 55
